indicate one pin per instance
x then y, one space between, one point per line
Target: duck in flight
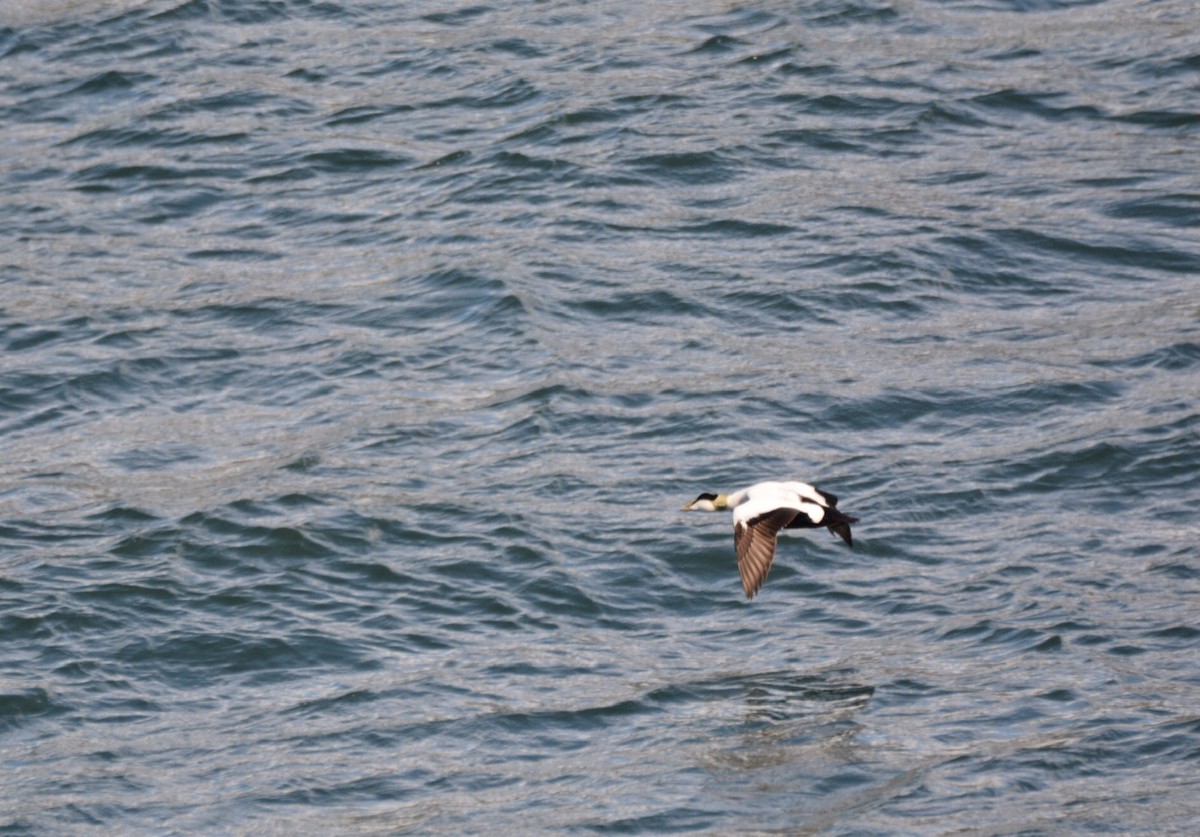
761 510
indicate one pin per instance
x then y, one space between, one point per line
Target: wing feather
754 543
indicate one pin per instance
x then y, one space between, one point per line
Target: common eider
761 510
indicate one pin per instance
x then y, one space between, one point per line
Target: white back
765 497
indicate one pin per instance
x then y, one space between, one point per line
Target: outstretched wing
754 543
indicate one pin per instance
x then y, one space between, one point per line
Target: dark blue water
357 358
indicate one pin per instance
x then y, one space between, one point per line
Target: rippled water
357 359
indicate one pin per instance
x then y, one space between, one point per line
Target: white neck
731 500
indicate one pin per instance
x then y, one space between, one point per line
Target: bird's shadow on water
791 758
783 715
783 695
775 697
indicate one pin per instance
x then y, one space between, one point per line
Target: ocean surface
357 358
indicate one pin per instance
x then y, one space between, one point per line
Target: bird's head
708 502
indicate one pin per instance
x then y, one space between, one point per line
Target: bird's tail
839 524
